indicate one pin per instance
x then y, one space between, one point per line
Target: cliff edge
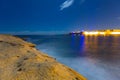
19 60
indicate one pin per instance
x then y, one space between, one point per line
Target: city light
102 33
115 33
90 33
99 32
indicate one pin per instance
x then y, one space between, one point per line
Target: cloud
69 3
66 4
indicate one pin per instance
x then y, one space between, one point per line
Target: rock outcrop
19 60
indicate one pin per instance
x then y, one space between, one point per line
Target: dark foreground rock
19 60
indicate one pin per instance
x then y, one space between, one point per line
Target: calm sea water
95 57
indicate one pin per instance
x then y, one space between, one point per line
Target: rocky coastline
20 60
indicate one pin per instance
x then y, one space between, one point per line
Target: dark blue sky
58 15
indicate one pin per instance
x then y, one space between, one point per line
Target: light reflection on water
95 57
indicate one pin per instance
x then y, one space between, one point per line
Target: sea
95 57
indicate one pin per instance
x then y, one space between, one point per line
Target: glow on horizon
100 33
90 33
115 33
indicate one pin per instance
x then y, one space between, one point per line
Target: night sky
58 15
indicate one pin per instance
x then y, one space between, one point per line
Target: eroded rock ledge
19 60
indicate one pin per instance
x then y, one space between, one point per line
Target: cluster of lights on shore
99 33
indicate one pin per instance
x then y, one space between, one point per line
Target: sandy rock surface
19 60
